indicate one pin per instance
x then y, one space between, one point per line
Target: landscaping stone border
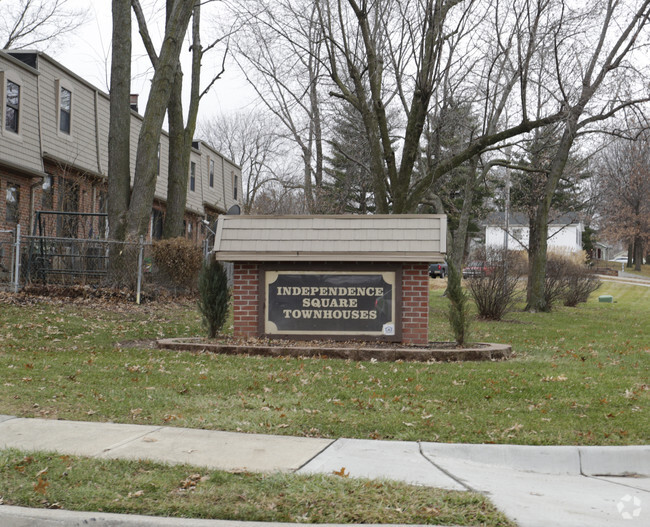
363 351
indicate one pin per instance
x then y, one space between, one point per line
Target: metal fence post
140 260
17 260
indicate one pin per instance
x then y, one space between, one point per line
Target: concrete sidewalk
534 486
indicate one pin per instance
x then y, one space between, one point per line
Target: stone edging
481 351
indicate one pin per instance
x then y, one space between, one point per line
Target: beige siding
86 147
161 181
347 237
22 148
79 147
221 195
103 113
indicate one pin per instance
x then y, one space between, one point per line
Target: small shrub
580 283
213 296
568 280
458 313
495 293
555 280
178 261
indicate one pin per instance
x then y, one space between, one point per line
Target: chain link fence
7 259
72 249
92 263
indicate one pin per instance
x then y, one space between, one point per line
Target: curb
24 517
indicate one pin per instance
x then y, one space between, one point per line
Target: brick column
415 304
246 300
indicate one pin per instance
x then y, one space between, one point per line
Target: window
65 110
13 201
47 194
235 184
192 176
211 173
12 107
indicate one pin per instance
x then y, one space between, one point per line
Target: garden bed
349 350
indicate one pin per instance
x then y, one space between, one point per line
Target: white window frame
13 77
192 180
63 85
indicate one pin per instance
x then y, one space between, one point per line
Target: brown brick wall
415 304
246 299
87 190
24 199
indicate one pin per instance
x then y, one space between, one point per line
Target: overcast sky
87 53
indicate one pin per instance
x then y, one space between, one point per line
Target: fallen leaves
559 378
511 432
135 494
41 485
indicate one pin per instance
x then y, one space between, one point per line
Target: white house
564 232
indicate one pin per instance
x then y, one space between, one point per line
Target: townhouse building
54 153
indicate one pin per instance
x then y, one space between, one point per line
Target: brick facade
246 299
415 302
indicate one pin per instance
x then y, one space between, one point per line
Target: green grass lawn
580 376
140 487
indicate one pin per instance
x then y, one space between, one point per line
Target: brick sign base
411 304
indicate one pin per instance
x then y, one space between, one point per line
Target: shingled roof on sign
386 238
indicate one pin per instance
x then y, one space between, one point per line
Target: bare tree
595 80
279 52
624 175
181 134
136 219
249 139
37 23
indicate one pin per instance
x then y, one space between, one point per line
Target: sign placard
330 303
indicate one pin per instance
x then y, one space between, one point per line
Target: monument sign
334 277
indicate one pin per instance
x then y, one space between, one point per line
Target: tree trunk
537 251
539 230
460 234
119 153
638 253
179 162
119 170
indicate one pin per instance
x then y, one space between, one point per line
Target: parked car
475 269
438 270
620 259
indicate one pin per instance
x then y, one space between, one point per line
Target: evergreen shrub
213 296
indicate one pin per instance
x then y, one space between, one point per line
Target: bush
213 296
495 293
580 283
178 261
458 306
568 279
